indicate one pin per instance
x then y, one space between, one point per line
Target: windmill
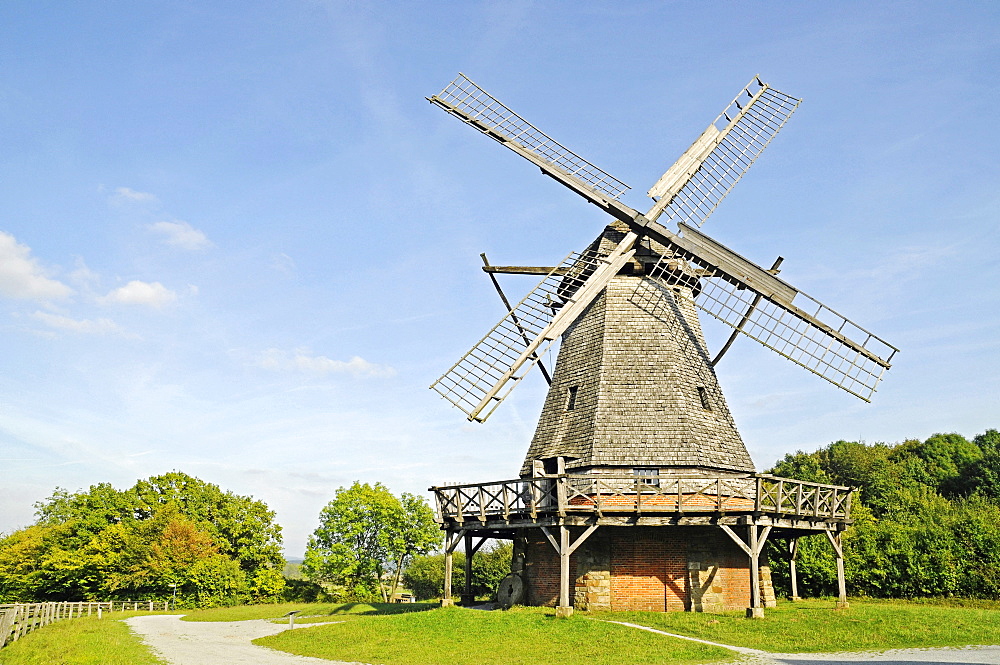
635 431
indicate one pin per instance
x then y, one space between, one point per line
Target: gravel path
228 643
215 643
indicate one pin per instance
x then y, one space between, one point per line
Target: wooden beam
736 539
583 537
467 598
565 609
482 540
756 610
448 562
552 541
752 547
746 317
793 550
838 551
525 270
506 303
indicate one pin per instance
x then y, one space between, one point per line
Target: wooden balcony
531 499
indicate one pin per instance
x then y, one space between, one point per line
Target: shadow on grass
371 609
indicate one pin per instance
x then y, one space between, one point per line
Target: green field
422 634
815 626
530 635
83 641
522 636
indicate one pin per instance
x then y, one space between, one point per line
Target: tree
242 527
489 567
984 476
425 574
105 543
926 523
366 533
944 459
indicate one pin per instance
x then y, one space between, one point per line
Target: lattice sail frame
484 376
817 338
474 106
688 192
693 187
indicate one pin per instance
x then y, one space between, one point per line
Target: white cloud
283 263
83 277
126 195
181 234
152 294
84 326
301 361
21 276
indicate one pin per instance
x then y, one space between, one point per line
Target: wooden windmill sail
719 281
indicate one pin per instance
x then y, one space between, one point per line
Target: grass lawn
815 626
83 641
422 634
522 636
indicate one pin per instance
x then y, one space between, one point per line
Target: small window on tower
648 476
571 397
703 396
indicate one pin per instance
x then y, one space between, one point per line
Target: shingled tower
633 386
637 491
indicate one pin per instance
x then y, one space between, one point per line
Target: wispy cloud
83 277
126 195
21 276
301 360
83 326
283 263
181 234
150 294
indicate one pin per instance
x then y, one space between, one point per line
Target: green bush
425 574
927 518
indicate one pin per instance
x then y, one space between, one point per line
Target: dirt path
215 643
228 643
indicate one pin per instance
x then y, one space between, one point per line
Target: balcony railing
599 494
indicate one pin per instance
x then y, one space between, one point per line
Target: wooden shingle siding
638 402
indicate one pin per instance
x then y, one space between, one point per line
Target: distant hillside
292 566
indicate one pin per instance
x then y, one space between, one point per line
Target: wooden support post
752 548
564 609
793 550
841 584
838 550
468 598
756 609
449 547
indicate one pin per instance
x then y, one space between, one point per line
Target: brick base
645 568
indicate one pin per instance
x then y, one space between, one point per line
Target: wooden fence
19 619
567 494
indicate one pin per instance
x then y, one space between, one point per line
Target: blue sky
237 242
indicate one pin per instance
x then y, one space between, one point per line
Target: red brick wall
541 568
649 568
736 577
